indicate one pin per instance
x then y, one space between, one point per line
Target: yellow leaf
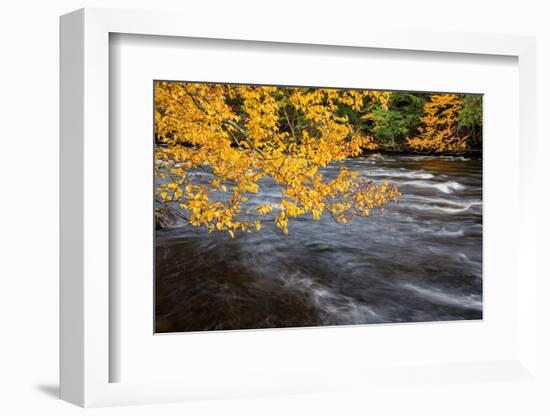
264 209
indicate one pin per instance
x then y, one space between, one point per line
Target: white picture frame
85 217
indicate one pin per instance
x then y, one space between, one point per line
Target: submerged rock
164 219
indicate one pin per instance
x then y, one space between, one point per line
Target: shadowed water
417 260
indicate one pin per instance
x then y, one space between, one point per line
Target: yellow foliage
241 134
439 125
264 209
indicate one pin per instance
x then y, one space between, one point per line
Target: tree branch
172 210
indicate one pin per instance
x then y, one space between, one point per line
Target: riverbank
474 153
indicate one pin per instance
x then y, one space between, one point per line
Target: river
417 260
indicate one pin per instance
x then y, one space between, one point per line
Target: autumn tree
438 132
239 135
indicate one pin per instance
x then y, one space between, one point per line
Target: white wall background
29 199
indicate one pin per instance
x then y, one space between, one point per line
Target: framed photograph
280 207
294 218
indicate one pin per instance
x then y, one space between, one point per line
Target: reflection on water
417 260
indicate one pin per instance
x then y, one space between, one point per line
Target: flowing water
416 260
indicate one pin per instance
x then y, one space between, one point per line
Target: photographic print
291 206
